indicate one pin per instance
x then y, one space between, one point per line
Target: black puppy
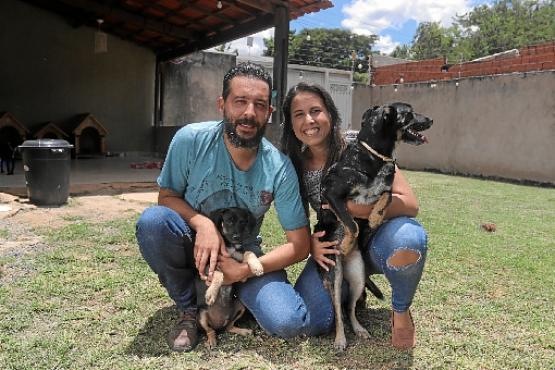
364 174
218 306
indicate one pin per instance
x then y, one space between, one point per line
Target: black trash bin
47 167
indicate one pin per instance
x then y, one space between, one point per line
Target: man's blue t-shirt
199 166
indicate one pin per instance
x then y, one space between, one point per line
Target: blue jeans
165 241
400 233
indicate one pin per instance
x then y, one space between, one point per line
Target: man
215 165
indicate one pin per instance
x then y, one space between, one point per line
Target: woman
312 139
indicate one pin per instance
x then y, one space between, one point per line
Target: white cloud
374 16
366 17
385 44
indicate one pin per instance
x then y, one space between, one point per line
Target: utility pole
353 58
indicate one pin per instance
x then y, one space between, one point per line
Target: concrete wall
191 87
49 72
495 126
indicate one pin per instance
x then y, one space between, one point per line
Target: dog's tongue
423 139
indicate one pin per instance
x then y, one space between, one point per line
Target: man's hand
233 270
208 244
319 250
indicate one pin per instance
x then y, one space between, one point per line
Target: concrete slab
105 174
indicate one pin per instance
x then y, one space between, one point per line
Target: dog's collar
373 151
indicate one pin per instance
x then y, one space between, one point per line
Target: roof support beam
265 6
261 23
281 47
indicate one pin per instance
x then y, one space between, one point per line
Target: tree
268 47
485 30
507 24
432 41
331 48
401 51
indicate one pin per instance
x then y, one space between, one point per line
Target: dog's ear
366 116
217 217
402 112
390 114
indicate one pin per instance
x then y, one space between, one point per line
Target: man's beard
239 142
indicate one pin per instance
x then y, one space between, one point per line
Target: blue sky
394 21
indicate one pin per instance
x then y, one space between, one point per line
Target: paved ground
102 175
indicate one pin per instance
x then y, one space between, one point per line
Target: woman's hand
319 250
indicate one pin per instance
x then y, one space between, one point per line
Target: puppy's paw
211 295
211 341
214 288
257 269
254 264
240 331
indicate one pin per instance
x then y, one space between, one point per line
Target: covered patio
66 67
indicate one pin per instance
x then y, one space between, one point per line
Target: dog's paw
240 331
254 264
340 345
257 269
211 295
211 341
340 342
362 333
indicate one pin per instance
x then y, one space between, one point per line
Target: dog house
51 131
12 130
89 136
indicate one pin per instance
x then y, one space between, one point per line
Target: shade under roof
177 27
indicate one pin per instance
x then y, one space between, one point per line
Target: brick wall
539 57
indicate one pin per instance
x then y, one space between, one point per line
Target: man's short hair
247 69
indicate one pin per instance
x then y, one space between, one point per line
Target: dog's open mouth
411 133
411 136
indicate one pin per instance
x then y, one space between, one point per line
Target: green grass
486 300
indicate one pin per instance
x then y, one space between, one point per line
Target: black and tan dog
363 174
218 308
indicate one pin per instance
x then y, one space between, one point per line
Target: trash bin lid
46 143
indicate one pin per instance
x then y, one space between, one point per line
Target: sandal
183 337
403 338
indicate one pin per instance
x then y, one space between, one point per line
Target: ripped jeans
394 235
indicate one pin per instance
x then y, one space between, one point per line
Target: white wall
336 82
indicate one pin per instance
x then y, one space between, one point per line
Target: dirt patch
19 218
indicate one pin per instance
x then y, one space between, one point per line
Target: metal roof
173 28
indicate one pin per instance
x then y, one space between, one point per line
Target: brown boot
183 336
